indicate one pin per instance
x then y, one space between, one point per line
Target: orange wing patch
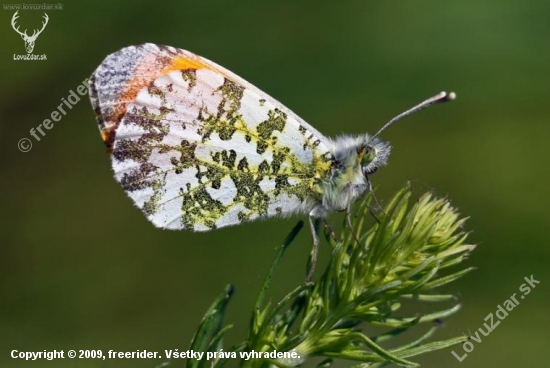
149 63
188 62
184 63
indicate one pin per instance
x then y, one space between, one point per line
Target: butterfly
198 148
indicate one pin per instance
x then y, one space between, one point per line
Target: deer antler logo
29 40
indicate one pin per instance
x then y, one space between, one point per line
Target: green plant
402 259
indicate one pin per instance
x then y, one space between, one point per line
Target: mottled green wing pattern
196 147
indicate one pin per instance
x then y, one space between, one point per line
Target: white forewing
200 148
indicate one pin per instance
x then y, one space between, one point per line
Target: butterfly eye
367 155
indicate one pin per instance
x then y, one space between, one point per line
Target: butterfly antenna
440 97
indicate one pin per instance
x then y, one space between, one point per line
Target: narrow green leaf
210 326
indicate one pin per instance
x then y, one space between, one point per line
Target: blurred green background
81 268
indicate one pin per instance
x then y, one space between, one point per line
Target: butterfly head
372 154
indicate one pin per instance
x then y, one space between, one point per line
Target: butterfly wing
197 147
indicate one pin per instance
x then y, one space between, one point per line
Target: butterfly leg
314 250
370 189
330 230
348 218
